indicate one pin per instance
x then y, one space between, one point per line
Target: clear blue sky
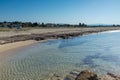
61 11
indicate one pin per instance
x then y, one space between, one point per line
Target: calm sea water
97 52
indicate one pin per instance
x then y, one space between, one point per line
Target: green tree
35 24
43 25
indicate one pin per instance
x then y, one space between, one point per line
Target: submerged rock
55 77
72 75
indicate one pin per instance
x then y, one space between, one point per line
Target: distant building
50 25
18 27
6 24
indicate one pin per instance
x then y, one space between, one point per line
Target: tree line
36 24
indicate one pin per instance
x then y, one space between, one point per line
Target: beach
15 45
59 40
19 40
10 40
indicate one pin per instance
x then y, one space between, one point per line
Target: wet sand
15 45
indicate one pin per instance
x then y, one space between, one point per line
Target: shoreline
19 44
16 45
12 46
13 42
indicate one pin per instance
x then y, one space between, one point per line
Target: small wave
111 31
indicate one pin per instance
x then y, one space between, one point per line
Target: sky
61 11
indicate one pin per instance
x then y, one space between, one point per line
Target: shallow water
97 52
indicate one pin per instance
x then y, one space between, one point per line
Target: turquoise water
97 52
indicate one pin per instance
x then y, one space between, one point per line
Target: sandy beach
11 40
53 30
15 45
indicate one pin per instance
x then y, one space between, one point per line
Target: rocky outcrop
89 75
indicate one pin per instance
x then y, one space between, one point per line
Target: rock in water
86 75
72 75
